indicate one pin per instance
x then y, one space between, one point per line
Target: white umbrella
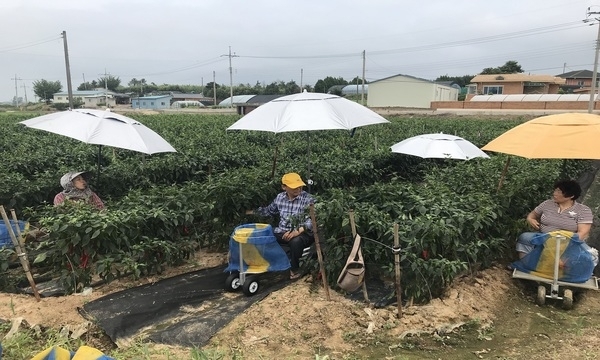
102 127
307 112
441 146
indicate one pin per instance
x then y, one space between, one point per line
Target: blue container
5 240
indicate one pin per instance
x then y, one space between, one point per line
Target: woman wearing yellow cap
295 227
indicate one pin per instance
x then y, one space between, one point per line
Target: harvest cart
253 250
553 288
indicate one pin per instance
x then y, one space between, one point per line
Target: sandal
294 276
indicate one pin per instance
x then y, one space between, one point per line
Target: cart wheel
250 286
568 299
541 295
233 282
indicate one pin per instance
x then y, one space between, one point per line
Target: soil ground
487 315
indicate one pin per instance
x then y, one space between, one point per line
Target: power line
189 67
28 45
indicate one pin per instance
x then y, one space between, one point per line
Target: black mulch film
183 310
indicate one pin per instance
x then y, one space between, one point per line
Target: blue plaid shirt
288 210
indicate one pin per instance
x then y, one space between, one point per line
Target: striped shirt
291 212
551 218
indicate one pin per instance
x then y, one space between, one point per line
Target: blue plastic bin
5 240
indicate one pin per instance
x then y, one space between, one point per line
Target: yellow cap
292 180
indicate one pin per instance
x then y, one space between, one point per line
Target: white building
409 92
90 98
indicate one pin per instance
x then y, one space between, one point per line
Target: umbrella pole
274 162
98 169
308 160
503 174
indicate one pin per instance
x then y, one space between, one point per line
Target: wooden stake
397 268
20 252
318 247
354 232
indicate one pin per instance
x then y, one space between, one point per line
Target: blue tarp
576 263
259 250
5 240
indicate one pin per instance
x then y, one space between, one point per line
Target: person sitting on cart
295 227
76 190
562 212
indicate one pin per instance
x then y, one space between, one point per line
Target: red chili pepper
84 260
425 254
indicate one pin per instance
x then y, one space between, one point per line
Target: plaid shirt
288 210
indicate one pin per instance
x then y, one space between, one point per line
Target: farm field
163 210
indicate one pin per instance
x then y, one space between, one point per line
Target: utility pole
16 90
230 75
105 87
301 78
362 95
25 92
84 84
214 90
69 87
595 72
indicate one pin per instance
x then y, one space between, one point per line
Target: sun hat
292 180
68 177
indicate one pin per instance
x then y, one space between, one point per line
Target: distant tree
45 89
17 101
323 85
510 67
110 82
291 88
460 80
357 80
244 89
88 85
135 82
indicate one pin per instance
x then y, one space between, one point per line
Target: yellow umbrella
560 136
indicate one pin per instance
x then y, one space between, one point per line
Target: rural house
92 98
507 84
152 102
409 92
578 81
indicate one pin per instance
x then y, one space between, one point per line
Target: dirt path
487 316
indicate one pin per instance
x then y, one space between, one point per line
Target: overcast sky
184 42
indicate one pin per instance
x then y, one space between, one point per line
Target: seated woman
76 189
562 212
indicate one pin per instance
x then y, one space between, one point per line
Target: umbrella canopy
306 112
560 136
441 146
102 127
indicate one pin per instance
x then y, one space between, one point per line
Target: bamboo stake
20 252
397 269
318 247
354 232
21 237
